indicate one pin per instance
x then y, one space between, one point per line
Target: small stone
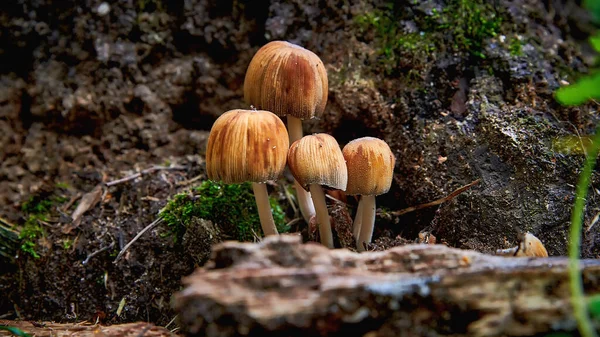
103 9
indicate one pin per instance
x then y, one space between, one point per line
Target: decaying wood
49 329
285 288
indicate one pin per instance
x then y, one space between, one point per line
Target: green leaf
580 307
594 7
15 331
581 91
595 41
594 306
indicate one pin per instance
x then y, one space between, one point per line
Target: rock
285 288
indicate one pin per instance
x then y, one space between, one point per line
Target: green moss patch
231 207
462 26
36 210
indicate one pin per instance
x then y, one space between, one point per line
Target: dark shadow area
350 129
188 115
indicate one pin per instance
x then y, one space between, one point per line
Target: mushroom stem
368 221
357 220
325 233
294 128
307 208
305 202
264 209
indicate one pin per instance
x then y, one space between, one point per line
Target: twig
436 202
147 228
189 181
70 203
293 221
593 222
336 200
143 172
290 199
7 315
87 259
171 322
257 238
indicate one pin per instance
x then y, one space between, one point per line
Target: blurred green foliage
587 87
15 331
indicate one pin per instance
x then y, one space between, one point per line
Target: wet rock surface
91 92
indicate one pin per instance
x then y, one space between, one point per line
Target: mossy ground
409 40
37 210
231 206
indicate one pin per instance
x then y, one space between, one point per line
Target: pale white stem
307 208
368 221
264 209
325 233
357 220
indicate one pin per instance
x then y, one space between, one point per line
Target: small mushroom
370 165
529 245
289 81
316 161
249 145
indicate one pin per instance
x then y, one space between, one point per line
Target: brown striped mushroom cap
318 159
370 166
246 145
531 246
288 80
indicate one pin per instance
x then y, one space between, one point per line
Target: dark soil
94 91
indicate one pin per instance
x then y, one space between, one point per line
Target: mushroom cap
246 145
370 166
288 80
317 159
531 246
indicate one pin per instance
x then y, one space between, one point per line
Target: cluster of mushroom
284 79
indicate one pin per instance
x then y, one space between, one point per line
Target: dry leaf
88 201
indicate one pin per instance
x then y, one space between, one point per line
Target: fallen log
50 329
285 288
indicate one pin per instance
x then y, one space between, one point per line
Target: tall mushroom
249 145
370 165
289 81
316 161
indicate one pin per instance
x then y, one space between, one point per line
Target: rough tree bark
285 288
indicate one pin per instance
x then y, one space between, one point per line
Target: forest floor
105 111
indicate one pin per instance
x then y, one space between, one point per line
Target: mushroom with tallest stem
370 165
316 161
249 145
291 81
